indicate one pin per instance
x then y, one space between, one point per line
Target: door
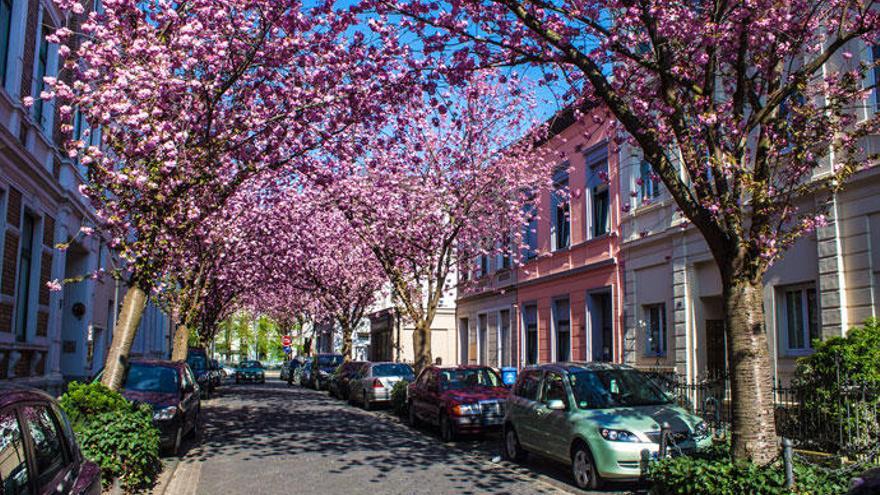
190 399
716 349
53 463
15 475
553 427
524 406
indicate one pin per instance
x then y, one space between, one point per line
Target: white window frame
482 317
500 341
782 323
47 121
14 66
595 158
524 334
663 333
649 189
554 206
554 318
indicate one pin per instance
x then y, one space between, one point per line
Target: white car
375 381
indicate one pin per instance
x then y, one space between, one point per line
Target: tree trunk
181 343
124 332
751 382
422 346
346 342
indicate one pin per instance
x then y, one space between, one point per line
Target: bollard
664 439
787 454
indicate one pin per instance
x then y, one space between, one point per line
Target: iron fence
840 418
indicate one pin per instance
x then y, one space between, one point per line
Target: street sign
287 349
286 341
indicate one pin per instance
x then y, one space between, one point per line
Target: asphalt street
269 438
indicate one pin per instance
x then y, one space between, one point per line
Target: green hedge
714 473
117 435
398 398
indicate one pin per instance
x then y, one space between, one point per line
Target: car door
553 425
524 408
53 463
189 399
15 473
432 397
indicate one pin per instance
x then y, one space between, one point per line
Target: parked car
374 382
595 417
340 379
200 364
170 387
217 374
462 399
321 368
250 371
38 451
301 374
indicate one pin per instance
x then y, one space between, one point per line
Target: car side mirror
555 405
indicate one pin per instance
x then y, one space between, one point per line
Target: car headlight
165 414
618 435
701 430
466 409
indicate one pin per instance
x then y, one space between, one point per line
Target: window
504 337
22 298
875 53
530 323
48 446
528 385
5 36
800 319
655 329
42 64
484 264
554 389
562 326
560 206
482 339
649 183
597 191
530 230
14 476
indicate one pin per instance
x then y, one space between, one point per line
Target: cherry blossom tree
193 98
749 112
421 194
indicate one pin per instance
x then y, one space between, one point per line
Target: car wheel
447 429
367 404
583 469
413 418
513 451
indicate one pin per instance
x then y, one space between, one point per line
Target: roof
11 393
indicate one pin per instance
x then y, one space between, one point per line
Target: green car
596 417
250 371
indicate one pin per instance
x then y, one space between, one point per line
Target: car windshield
614 388
144 378
471 377
250 364
392 369
197 362
329 361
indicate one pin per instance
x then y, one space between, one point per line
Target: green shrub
398 398
117 435
716 474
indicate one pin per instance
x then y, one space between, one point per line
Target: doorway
716 349
463 340
600 345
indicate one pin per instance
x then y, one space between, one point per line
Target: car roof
11 393
567 366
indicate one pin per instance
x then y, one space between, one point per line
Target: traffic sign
287 349
286 341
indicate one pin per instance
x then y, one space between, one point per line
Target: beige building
825 284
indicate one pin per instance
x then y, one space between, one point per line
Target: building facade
564 301
47 338
826 283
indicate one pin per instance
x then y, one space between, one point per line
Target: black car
171 388
250 371
323 365
338 386
38 451
198 361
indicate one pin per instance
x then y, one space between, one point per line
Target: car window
197 362
14 474
188 379
615 388
469 377
554 389
392 369
431 381
527 387
48 446
146 378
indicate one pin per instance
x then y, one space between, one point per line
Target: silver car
375 381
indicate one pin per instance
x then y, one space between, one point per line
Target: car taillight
377 383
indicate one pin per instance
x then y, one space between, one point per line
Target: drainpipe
838 257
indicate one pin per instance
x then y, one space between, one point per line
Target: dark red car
38 452
462 399
170 387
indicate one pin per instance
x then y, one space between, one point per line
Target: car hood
476 394
642 418
249 370
155 399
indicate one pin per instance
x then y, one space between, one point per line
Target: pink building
564 303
